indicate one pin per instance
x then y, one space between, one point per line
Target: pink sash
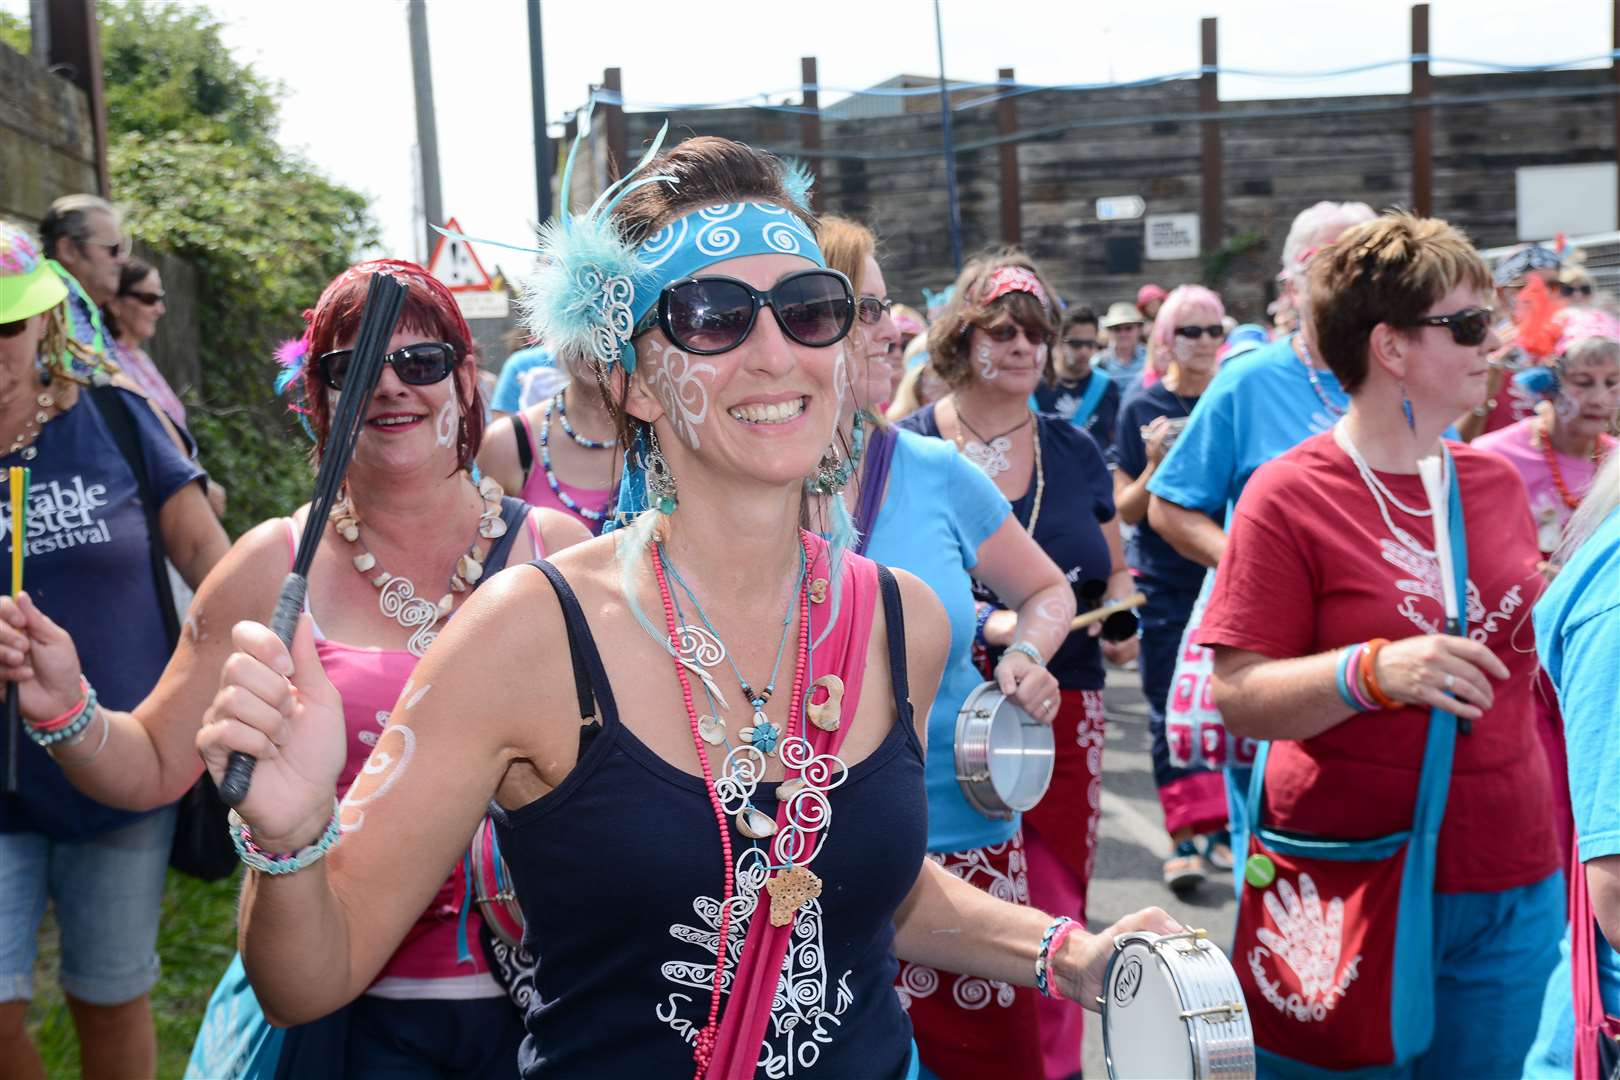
759 969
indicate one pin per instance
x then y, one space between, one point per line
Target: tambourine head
1173 1010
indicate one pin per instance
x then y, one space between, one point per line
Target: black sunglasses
1470 326
1193 333
150 299
422 364
1567 291
871 310
706 316
1080 343
1007 331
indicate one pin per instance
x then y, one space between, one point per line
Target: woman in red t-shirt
1330 549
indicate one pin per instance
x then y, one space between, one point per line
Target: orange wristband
1369 658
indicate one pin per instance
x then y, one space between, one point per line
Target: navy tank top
618 872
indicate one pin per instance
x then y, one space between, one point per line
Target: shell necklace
397 597
990 455
24 441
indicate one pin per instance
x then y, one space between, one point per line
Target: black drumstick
385 297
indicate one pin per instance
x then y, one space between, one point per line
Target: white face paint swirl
444 432
682 390
382 769
986 369
841 376
1182 349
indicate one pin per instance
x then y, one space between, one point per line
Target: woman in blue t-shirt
88 563
1189 330
921 506
992 345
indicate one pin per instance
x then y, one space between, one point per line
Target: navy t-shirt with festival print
87 566
1078 498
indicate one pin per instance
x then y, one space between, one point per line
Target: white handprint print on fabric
1309 939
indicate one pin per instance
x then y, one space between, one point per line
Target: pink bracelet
1353 678
1051 953
56 723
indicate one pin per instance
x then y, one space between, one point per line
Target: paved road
1133 844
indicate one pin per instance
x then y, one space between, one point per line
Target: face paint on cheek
444 432
682 388
1040 358
1182 349
841 375
382 770
1566 406
986 368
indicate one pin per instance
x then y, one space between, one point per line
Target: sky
331 56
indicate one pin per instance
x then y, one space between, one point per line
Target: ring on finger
1451 681
1047 704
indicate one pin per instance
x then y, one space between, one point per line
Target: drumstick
19 478
1135 600
385 297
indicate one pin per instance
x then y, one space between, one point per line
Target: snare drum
491 886
1004 756
1173 1010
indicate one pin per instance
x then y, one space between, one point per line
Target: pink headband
1011 279
1577 324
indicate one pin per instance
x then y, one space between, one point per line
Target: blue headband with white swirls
715 234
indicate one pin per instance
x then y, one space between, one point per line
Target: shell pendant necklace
397 597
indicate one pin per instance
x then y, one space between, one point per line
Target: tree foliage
194 161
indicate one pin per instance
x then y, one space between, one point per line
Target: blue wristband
985 611
1343 680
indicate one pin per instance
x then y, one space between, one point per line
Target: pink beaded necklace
703 1049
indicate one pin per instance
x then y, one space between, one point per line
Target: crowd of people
694 684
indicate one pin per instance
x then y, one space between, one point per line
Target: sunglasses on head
870 310
1080 343
422 364
706 316
1468 326
150 299
1193 333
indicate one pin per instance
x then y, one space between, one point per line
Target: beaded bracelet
985 611
1028 650
276 863
1051 942
71 724
1369 678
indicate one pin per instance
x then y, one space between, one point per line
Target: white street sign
1172 236
1120 208
482 305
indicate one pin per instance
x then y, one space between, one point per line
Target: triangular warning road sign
455 263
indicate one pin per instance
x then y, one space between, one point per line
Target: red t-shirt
1310 566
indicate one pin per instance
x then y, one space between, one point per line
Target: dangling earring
1406 410
834 472
660 480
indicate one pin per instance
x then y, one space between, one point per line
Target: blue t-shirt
1078 498
508 393
1258 405
1149 554
1064 399
1126 376
87 566
1577 624
936 512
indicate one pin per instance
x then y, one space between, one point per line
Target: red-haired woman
406 545
992 345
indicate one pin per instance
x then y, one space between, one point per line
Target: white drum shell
1004 756
1150 982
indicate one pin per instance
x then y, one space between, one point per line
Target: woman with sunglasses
992 346
1190 331
922 507
637 755
409 540
1329 621
559 453
132 317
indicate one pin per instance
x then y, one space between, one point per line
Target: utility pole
950 147
427 132
537 105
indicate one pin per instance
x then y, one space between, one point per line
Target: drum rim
1199 1047
979 792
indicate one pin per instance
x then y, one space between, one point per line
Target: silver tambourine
1003 755
1172 1009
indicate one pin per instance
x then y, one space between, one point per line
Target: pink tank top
537 490
370 680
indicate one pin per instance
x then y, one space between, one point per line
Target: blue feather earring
1406 410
